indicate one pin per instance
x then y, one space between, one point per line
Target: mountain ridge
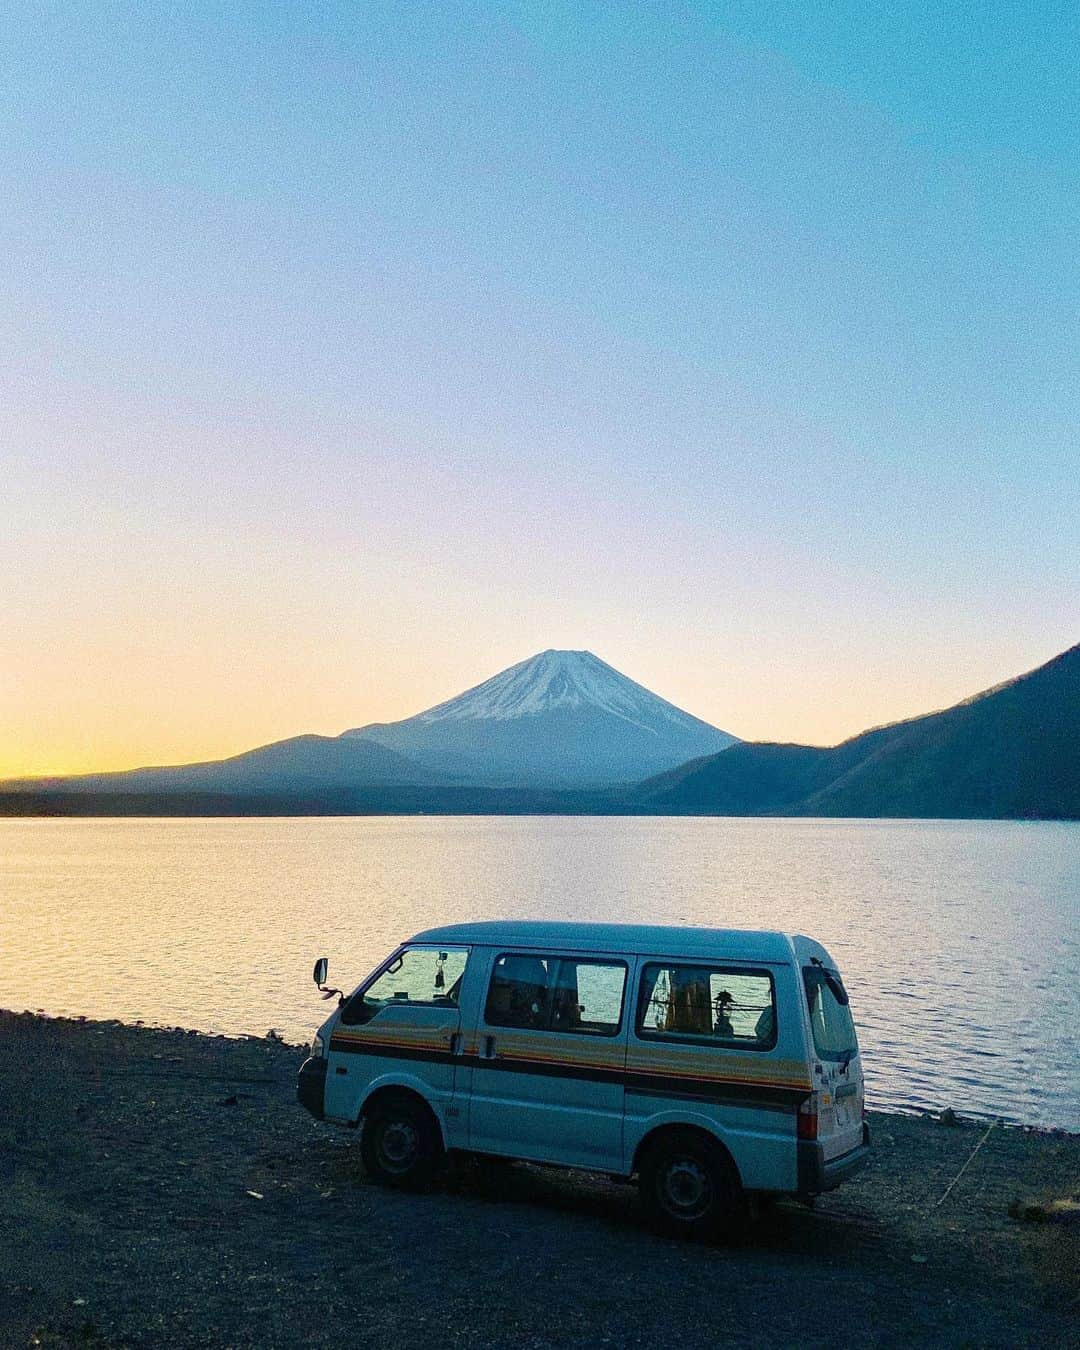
310 761
1010 751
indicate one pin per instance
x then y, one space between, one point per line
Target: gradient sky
351 352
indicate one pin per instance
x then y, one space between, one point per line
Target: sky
351 352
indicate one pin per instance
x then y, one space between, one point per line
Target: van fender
689 1119
396 1078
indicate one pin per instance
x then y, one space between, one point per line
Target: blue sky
352 352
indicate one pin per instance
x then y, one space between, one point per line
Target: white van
710 1063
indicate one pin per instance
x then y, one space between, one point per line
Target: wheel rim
685 1189
398 1144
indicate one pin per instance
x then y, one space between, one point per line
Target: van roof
629 938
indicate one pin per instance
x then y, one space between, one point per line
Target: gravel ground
164 1189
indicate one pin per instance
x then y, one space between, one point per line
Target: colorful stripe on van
667 1071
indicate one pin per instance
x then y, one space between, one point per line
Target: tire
689 1187
401 1145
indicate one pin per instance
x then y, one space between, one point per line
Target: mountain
559 719
1012 752
563 733
299 765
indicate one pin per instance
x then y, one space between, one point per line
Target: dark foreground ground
164 1189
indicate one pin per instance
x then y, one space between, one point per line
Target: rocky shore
164 1189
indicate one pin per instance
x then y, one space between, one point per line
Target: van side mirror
319 976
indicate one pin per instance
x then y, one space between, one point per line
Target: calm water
958 941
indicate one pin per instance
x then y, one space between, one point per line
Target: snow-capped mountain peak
553 679
561 717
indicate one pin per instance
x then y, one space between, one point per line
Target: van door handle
489 1048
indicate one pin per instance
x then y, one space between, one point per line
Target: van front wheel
400 1144
689 1186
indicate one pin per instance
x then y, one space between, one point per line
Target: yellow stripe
651 1062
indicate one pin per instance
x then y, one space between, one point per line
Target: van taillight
808 1117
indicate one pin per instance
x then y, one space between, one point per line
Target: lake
958 941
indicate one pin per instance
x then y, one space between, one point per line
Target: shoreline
32 803
960 1115
161 1186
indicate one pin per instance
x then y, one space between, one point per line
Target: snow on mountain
560 718
558 679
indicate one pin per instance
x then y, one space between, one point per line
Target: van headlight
317 1048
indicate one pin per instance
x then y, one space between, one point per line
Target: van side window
550 993
520 991
418 975
735 1008
588 997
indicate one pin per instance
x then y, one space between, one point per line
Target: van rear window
716 1004
830 1016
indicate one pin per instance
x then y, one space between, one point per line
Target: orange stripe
614 1066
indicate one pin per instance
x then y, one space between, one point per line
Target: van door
839 1071
404 1026
547 1058
720 1043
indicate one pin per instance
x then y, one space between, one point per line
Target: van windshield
830 1016
416 977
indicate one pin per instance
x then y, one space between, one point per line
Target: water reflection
958 941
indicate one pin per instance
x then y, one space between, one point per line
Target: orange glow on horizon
116 716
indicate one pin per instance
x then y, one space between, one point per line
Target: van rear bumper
817 1175
311 1086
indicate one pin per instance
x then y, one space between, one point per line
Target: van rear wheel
400 1144
689 1187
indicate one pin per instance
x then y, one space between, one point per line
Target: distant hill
561 719
297 766
1012 752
